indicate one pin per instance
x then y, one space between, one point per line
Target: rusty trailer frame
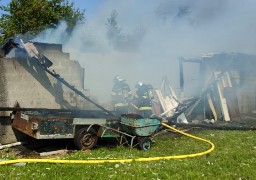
41 126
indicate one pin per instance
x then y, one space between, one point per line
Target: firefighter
142 99
121 96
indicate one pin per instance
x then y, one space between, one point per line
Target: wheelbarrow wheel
85 139
144 143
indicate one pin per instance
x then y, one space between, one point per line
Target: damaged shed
225 84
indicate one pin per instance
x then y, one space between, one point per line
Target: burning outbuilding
227 86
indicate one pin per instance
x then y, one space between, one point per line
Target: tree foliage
33 16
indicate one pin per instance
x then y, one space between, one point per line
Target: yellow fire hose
118 160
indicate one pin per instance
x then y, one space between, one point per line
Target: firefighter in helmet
142 99
121 96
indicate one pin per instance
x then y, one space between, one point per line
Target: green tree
33 16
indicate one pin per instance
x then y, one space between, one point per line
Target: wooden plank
212 107
63 151
220 85
232 103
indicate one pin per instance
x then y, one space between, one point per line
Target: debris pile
226 89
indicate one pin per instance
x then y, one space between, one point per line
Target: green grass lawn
234 157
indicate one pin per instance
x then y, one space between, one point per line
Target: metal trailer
130 129
55 124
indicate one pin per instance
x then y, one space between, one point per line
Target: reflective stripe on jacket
145 108
121 104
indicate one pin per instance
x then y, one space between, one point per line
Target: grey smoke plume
170 29
58 35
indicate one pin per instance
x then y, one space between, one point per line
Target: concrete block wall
23 81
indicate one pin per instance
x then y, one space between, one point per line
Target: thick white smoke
57 35
168 30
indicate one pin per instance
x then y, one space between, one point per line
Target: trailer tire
85 139
145 143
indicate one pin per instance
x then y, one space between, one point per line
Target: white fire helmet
118 78
139 83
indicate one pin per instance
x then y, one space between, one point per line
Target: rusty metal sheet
139 126
43 127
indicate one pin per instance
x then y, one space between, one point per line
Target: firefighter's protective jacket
121 94
143 97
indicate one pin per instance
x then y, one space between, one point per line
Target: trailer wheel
85 139
144 143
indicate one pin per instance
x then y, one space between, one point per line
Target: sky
90 6
159 33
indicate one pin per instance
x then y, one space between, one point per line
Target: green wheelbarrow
140 129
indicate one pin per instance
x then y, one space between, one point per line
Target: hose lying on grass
119 160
